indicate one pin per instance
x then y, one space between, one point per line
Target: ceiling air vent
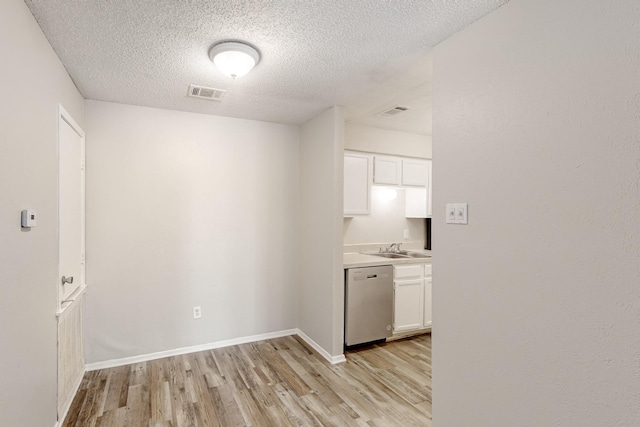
392 111
206 93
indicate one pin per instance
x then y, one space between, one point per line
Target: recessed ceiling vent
206 93
392 111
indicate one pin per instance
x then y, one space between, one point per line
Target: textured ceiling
363 54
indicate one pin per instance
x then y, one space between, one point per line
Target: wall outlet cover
197 312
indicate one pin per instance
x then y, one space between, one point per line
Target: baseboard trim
113 363
409 334
68 403
334 360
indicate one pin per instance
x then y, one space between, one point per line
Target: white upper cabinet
357 184
415 172
361 170
418 199
416 202
387 170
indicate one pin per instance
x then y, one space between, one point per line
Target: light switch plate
457 213
450 214
461 213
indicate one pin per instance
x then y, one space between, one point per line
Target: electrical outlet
197 312
406 234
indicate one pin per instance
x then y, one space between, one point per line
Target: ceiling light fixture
234 59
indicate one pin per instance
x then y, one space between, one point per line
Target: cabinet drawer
427 270
401 272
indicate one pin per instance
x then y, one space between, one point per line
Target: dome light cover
234 59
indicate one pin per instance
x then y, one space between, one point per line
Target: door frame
64 115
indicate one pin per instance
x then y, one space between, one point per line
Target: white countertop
356 259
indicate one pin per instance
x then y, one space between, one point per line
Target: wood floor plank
160 396
76 406
117 388
89 408
279 382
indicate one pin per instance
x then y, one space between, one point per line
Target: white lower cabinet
408 285
408 305
412 297
427 303
428 313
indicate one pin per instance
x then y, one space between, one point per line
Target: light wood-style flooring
278 382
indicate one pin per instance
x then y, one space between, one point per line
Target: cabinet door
386 170
415 172
357 184
416 203
428 317
418 199
408 302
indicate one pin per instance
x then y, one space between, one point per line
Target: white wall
32 83
537 300
321 274
187 210
377 140
385 223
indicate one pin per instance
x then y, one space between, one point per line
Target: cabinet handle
67 279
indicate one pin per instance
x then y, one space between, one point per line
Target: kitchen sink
401 254
390 255
414 254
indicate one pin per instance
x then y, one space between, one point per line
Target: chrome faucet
391 248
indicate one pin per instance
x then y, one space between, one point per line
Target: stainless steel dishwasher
368 304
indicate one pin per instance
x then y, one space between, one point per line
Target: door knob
67 279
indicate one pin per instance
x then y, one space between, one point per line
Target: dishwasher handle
362 276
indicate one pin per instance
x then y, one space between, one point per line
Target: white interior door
70 207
